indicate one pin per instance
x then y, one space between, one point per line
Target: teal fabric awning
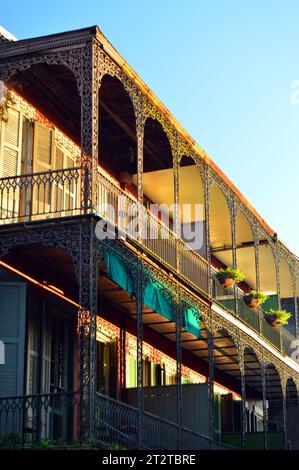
191 321
117 271
155 296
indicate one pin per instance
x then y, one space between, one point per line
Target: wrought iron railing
38 420
40 195
117 427
56 193
119 208
280 337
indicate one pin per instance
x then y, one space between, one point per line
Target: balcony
56 194
50 420
281 338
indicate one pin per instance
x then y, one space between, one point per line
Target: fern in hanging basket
277 317
255 298
227 277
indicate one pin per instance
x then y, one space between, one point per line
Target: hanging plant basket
226 280
276 318
273 321
254 299
227 277
251 301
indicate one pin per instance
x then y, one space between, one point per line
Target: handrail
39 173
275 337
165 245
118 422
30 420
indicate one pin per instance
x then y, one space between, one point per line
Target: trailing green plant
260 296
282 316
45 443
235 273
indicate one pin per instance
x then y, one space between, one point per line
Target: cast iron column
140 121
265 411
89 91
179 313
284 411
140 287
88 276
211 383
234 248
207 187
277 271
243 395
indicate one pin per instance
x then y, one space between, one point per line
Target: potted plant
276 318
254 299
227 277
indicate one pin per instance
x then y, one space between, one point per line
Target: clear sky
224 68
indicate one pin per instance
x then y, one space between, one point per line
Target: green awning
191 321
117 271
155 298
154 295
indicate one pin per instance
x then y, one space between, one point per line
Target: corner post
87 325
89 85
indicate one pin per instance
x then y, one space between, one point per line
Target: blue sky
223 68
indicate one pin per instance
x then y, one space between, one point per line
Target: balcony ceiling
52 89
158 187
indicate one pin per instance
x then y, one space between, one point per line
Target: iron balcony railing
119 208
50 420
40 195
57 193
280 337
38 420
117 427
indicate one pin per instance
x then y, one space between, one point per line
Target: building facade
114 223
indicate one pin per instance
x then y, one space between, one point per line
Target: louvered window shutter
64 188
10 163
42 162
46 355
33 356
12 333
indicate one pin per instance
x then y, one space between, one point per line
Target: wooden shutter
46 354
42 162
12 333
33 345
64 189
10 162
